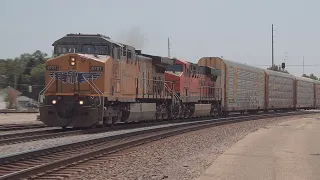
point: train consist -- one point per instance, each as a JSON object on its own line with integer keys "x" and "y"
{"x": 93, "y": 80}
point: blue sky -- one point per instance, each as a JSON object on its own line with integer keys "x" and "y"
{"x": 237, "y": 30}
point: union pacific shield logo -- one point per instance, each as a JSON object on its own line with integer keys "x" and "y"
{"x": 72, "y": 77}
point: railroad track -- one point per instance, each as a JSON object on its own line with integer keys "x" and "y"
{"x": 16, "y": 112}
{"x": 55, "y": 133}
{"x": 36, "y": 135}
{"x": 20, "y": 137}
{"x": 10, "y": 127}
{"x": 62, "y": 161}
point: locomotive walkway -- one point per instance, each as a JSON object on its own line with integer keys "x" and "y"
{"x": 290, "y": 150}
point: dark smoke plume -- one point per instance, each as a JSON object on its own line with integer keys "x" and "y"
{"x": 133, "y": 37}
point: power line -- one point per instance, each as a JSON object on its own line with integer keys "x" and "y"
{"x": 288, "y": 65}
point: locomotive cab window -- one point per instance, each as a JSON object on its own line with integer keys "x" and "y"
{"x": 87, "y": 49}
{"x": 99, "y": 50}
{"x": 175, "y": 68}
{"x": 64, "y": 49}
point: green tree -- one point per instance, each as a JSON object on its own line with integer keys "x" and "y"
{"x": 3, "y": 73}
{"x": 37, "y": 74}
{"x": 2, "y": 66}
{"x": 25, "y": 70}
{"x": 12, "y": 71}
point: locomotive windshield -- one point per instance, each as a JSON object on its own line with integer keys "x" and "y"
{"x": 63, "y": 49}
{"x": 175, "y": 68}
{"x": 84, "y": 43}
{"x": 85, "y": 49}
{"x": 99, "y": 50}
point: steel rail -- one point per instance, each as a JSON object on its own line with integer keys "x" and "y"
{"x": 36, "y": 135}
{"x": 10, "y": 127}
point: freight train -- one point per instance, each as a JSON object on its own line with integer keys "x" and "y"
{"x": 94, "y": 80}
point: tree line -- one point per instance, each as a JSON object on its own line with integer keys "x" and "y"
{"x": 24, "y": 71}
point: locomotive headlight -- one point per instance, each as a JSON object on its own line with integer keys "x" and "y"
{"x": 72, "y": 61}
{"x": 81, "y": 102}
{"x": 54, "y": 101}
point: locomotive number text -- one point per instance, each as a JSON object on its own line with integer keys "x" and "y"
{"x": 52, "y": 68}
{"x": 96, "y": 68}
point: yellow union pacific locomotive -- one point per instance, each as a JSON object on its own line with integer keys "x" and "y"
{"x": 93, "y": 79}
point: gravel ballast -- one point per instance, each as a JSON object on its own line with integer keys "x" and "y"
{"x": 19, "y": 118}
{"x": 180, "y": 157}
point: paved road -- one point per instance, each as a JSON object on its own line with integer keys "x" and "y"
{"x": 288, "y": 151}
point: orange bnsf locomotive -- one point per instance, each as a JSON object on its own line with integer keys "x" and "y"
{"x": 94, "y": 80}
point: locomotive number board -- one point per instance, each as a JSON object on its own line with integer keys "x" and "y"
{"x": 52, "y": 68}
{"x": 96, "y": 68}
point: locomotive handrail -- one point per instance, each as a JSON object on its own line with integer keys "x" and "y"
{"x": 159, "y": 87}
{"x": 176, "y": 100}
{"x": 96, "y": 89}
{"x": 171, "y": 91}
{"x": 176, "y": 97}
{"x": 47, "y": 87}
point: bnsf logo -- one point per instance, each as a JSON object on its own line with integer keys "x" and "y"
{"x": 52, "y": 68}
{"x": 96, "y": 68}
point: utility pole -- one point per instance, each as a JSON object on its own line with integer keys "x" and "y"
{"x": 169, "y": 47}
{"x": 272, "y": 51}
